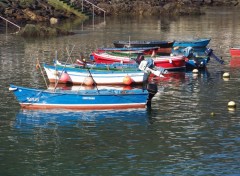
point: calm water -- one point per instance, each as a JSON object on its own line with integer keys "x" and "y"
{"x": 189, "y": 131}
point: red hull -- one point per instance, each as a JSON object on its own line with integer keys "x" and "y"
{"x": 167, "y": 62}
{"x": 170, "y": 62}
{"x": 235, "y": 61}
{"x": 235, "y": 52}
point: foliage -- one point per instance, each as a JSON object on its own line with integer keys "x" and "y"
{"x": 26, "y": 2}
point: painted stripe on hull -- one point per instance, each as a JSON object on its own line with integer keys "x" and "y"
{"x": 82, "y": 107}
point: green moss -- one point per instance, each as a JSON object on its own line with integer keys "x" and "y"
{"x": 63, "y": 6}
{"x": 26, "y": 2}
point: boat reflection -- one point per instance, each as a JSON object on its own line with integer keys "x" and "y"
{"x": 30, "y": 119}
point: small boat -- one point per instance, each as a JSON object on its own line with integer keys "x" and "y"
{"x": 98, "y": 66}
{"x": 196, "y": 58}
{"x": 166, "y": 62}
{"x": 31, "y": 98}
{"x": 70, "y": 75}
{"x": 144, "y": 50}
{"x": 198, "y": 43}
{"x": 67, "y": 75}
{"x": 129, "y": 49}
{"x": 234, "y": 52}
{"x": 165, "y": 46}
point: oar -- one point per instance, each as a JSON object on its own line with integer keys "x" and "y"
{"x": 39, "y": 66}
{"x": 69, "y": 55}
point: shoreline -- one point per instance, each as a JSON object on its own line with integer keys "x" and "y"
{"x": 46, "y": 13}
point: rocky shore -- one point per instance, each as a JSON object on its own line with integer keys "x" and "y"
{"x": 160, "y": 7}
{"x": 24, "y": 12}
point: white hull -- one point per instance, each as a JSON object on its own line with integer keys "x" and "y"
{"x": 112, "y": 78}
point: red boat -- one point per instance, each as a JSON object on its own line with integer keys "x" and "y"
{"x": 235, "y": 52}
{"x": 166, "y": 62}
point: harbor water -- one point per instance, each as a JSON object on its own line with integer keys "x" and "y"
{"x": 189, "y": 131}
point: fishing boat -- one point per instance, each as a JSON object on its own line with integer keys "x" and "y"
{"x": 97, "y": 66}
{"x": 166, "y": 62}
{"x": 142, "y": 43}
{"x": 129, "y": 49}
{"x": 234, "y": 52}
{"x": 197, "y": 43}
{"x": 143, "y": 50}
{"x": 31, "y": 98}
{"x": 70, "y": 75}
{"x": 196, "y": 58}
{"x": 164, "y": 46}
{"x": 67, "y": 75}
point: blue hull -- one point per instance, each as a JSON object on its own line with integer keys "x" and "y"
{"x": 200, "y": 63}
{"x": 83, "y": 99}
{"x": 196, "y": 58}
{"x": 200, "y": 43}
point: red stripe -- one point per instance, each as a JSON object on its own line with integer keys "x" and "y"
{"x": 32, "y": 106}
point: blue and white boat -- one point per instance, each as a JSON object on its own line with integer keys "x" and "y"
{"x": 197, "y": 43}
{"x": 67, "y": 75}
{"x": 124, "y": 76}
{"x": 196, "y": 58}
{"x": 30, "y": 98}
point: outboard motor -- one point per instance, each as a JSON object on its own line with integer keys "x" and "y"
{"x": 188, "y": 52}
{"x": 209, "y": 52}
{"x": 150, "y": 63}
{"x": 152, "y": 90}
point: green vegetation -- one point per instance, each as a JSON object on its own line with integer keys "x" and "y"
{"x": 63, "y": 6}
{"x": 26, "y": 2}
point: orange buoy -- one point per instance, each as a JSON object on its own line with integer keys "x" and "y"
{"x": 127, "y": 80}
{"x": 88, "y": 81}
{"x": 65, "y": 77}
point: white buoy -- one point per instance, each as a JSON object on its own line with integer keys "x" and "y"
{"x": 231, "y": 104}
{"x": 225, "y": 79}
{"x": 226, "y": 75}
{"x": 231, "y": 109}
{"x": 195, "y": 71}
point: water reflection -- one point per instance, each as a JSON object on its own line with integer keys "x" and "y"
{"x": 178, "y": 137}
{"x": 30, "y": 119}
